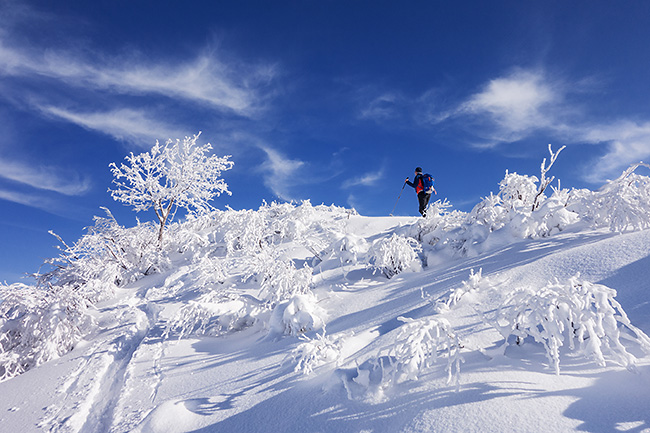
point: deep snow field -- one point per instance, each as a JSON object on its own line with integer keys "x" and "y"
{"x": 339, "y": 358}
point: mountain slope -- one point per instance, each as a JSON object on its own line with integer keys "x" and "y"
{"x": 141, "y": 372}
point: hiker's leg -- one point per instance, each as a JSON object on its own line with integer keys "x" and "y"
{"x": 422, "y": 199}
{"x": 427, "y": 197}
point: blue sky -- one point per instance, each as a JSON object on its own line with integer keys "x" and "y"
{"x": 332, "y": 101}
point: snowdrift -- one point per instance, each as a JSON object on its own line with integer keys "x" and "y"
{"x": 529, "y": 313}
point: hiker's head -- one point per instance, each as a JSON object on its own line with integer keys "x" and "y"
{"x": 418, "y": 170}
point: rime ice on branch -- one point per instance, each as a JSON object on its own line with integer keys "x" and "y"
{"x": 544, "y": 181}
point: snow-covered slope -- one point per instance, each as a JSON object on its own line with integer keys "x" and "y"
{"x": 198, "y": 348}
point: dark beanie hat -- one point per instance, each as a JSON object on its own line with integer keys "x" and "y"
{"x": 418, "y": 169}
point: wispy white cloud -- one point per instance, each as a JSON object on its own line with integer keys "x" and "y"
{"x": 121, "y": 95}
{"x": 507, "y": 108}
{"x": 24, "y": 199}
{"x": 44, "y": 178}
{"x": 516, "y": 102}
{"x": 628, "y": 142}
{"x": 204, "y": 79}
{"x": 367, "y": 179}
{"x": 382, "y": 107}
{"x": 281, "y": 172}
{"x": 130, "y": 125}
{"x": 525, "y": 102}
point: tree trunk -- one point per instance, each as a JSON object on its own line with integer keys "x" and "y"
{"x": 164, "y": 214}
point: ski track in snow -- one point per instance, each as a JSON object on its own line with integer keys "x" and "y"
{"x": 91, "y": 398}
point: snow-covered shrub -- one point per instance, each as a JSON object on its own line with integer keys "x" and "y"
{"x": 622, "y": 204}
{"x": 516, "y": 195}
{"x": 439, "y": 220}
{"x": 211, "y": 271}
{"x": 194, "y": 235}
{"x": 474, "y": 283}
{"x": 279, "y": 279}
{"x": 582, "y": 315}
{"x": 108, "y": 255}
{"x": 314, "y": 352}
{"x": 488, "y": 213}
{"x": 518, "y": 191}
{"x": 349, "y": 248}
{"x": 551, "y": 217}
{"x": 37, "y": 326}
{"x": 420, "y": 343}
{"x": 249, "y": 232}
{"x": 418, "y": 346}
{"x": 246, "y": 232}
{"x": 213, "y": 314}
{"x": 394, "y": 255}
{"x": 296, "y": 316}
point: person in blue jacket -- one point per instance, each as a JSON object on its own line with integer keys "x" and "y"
{"x": 422, "y": 190}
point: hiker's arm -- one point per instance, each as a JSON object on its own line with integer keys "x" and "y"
{"x": 415, "y": 181}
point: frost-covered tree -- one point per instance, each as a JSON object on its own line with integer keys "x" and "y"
{"x": 178, "y": 174}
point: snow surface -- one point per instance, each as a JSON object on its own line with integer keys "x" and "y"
{"x": 130, "y": 377}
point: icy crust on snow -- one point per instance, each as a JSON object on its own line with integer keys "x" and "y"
{"x": 313, "y": 318}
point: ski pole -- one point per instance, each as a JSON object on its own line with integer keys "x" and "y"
{"x": 398, "y": 197}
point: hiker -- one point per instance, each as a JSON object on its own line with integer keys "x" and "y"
{"x": 423, "y": 184}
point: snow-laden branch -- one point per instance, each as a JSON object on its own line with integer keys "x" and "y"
{"x": 544, "y": 181}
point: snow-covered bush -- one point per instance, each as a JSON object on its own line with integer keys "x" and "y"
{"x": 550, "y": 218}
{"x": 37, "y": 326}
{"x": 211, "y": 271}
{"x": 194, "y": 235}
{"x": 314, "y": 352}
{"x": 394, "y": 255}
{"x": 246, "y": 233}
{"x": 439, "y": 220}
{"x": 214, "y": 313}
{"x": 249, "y": 232}
{"x": 578, "y": 314}
{"x": 420, "y": 343}
{"x": 349, "y": 249}
{"x": 518, "y": 191}
{"x": 107, "y": 256}
{"x": 622, "y": 204}
{"x": 297, "y": 315}
{"x": 279, "y": 279}
{"x": 418, "y": 346}
{"x": 474, "y": 283}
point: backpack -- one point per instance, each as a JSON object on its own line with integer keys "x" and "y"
{"x": 427, "y": 183}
